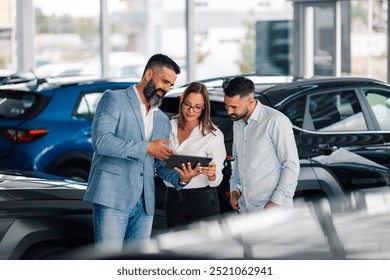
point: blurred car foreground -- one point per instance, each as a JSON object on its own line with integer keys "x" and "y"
{"x": 43, "y": 216}
{"x": 308, "y": 231}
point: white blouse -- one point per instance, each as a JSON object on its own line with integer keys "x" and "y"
{"x": 210, "y": 145}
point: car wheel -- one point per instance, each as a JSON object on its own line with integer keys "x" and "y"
{"x": 73, "y": 172}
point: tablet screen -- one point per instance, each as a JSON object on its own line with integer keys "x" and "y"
{"x": 177, "y": 160}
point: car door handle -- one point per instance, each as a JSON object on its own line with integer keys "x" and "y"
{"x": 325, "y": 149}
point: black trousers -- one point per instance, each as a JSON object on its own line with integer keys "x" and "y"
{"x": 191, "y": 205}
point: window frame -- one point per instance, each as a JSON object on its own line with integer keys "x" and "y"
{"x": 308, "y": 122}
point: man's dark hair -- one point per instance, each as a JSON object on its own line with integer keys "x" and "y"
{"x": 238, "y": 86}
{"x": 161, "y": 60}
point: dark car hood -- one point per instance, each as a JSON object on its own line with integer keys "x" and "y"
{"x": 25, "y": 185}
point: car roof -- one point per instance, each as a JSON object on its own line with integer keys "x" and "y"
{"x": 214, "y": 85}
{"x": 257, "y": 80}
{"x": 279, "y": 92}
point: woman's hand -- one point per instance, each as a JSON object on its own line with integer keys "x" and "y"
{"x": 210, "y": 171}
{"x": 186, "y": 172}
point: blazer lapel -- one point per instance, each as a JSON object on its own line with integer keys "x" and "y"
{"x": 136, "y": 107}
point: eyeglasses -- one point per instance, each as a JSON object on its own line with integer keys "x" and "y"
{"x": 187, "y": 106}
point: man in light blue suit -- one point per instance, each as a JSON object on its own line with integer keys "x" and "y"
{"x": 130, "y": 136}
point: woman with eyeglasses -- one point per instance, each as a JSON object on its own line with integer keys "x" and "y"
{"x": 193, "y": 133}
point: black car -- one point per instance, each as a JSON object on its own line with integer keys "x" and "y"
{"x": 41, "y": 215}
{"x": 341, "y": 127}
{"x": 342, "y": 131}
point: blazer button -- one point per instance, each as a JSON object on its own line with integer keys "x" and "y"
{"x": 142, "y": 174}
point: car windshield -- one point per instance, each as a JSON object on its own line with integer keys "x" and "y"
{"x": 18, "y": 104}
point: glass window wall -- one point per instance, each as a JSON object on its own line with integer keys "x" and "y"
{"x": 237, "y": 37}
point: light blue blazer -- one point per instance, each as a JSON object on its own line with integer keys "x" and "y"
{"x": 121, "y": 169}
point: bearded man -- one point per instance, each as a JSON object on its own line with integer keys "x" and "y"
{"x": 130, "y": 137}
{"x": 266, "y": 162}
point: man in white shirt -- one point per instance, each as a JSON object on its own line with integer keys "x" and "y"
{"x": 266, "y": 165}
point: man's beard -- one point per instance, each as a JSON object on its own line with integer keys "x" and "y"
{"x": 236, "y": 117}
{"x": 150, "y": 92}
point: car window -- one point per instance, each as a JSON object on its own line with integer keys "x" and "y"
{"x": 380, "y": 104}
{"x": 20, "y": 104}
{"x": 218, "y": 109}
{"x": 336, "y": 111}
{"x": 87, "y": 106}
{"x": 295, "y": 110}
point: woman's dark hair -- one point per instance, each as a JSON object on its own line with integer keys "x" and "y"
{"x": 204, "y": 118}
{"x": 161, "y": 60}
{"x": 238, "y": 86}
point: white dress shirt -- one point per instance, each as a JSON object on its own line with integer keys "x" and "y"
{"x": 196, "y": 144}
{"x": 266, "y": 164}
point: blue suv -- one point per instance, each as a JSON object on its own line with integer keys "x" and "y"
{"x": 45, "y": 125}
